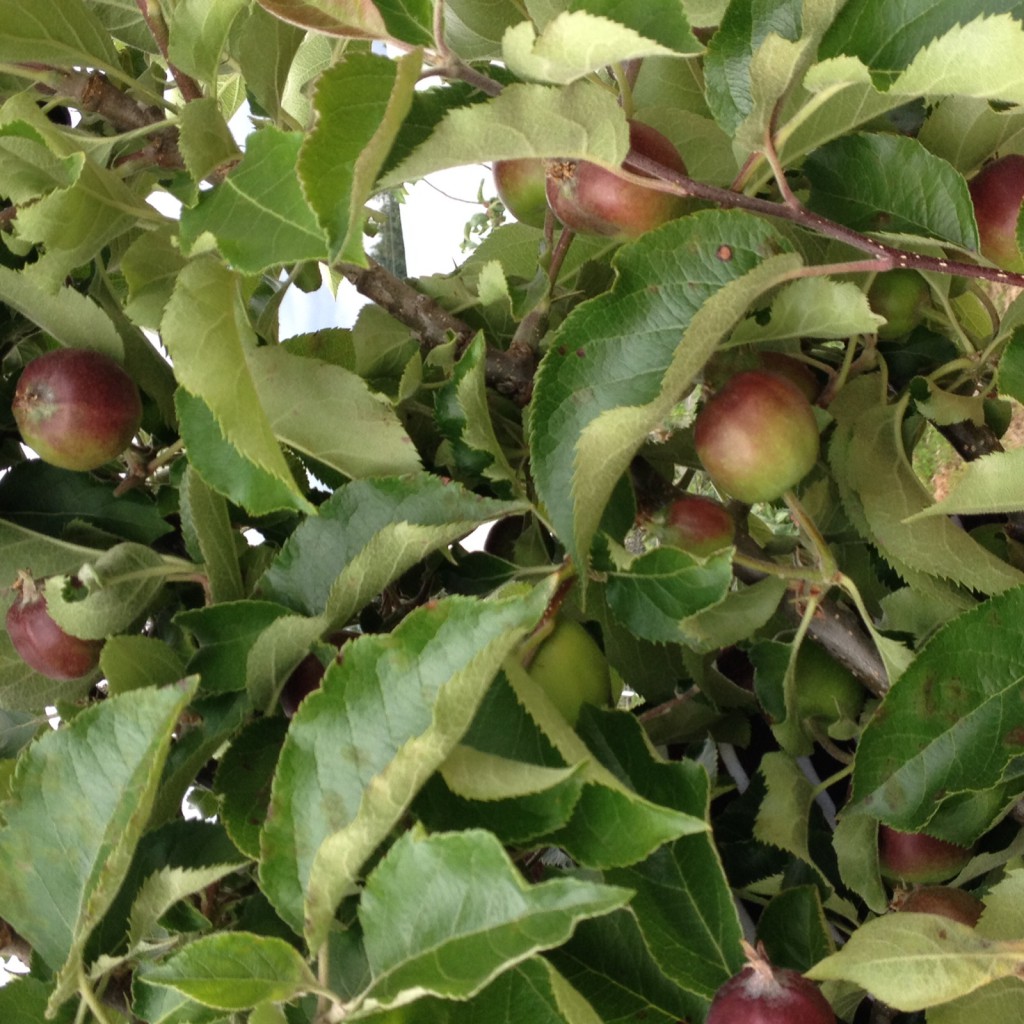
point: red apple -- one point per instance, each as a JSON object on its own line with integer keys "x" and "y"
{"x": 757, "y": 437}
{"x": 40, "y": 642}
{"x": 918, "y": 858}
{"x": 76, "y": 408}
{"x": 762, "y": 994}
{"x": 593, "y": 200}
{"x": 956, "y": 904}
{"x": 697, "y": 525}
{"x": 521, "y": 187}
{"x": 795, "y": 371}
{"x": 997, "y": 191}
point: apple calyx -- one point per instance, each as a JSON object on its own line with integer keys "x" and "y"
{"x": 763, "y": 994}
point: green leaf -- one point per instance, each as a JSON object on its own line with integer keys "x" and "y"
{"x": 197, "y": 32}
{"x": 915, "y": 961}
{"x": 258, "y": 215}
{"x": 24, "y": 1001}
{"x": 209, "y": 338}
{"x": 571, "y": 46}
{"x": 61, "y": 32}
{"x": 226, "y": 469}
{"x": 889, "y": 493}
{"x": 952, "y": 724}
{"x": 130, "y": 662}
{"x": 204, "y": 516}
{"x": 812, "y": 307}
{"x": 993, "y": 483}
{"x": 161, "y": 890}
{"x": 235, "y": 971}
{"x": 607, "y": 960}
{"x": 367, "y": 534}
{"x": 464, "y": 415}
{"x": 266, "y": 48}
{"x": 360, "y": 105}
{"x": 661, "y": 20}
{"x": 70, "y": 828}
{"x": 225, "y": 634}
{"x": 579, "y": 121}
{"x": 71, "y": 318}
{"x": 665, "y": 587}
{"x": 324, "y": 823}
{"x": 243, "y": 778}
{"x": 899, "y": 187}
{"x": 51, "y": 500}
{"x": 620, "y": 362}
{"x": 205, "y": 141}
{"x": 330, "y": 414}
{"x": 887, "y": 39}
{"x": 108, "y": 594}
{"x": 532, "y": 990}
{"x": 476, "y": 915}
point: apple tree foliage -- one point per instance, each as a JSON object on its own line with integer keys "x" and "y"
{"x": 427, "y": 839}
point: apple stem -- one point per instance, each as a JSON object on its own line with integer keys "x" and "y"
{"x": 826, "y": 560}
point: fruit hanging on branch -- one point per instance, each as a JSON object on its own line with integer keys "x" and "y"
{"x": 914, "y": 857}
{"x": 944, "y": 900}
{"x": 595, "y": 201}
{"x": 696, "y": 525}
{"x": 567, "y": 663}
{"x": 902, "y": 296}
{"x": 522, "y": 187}
{"x": 76, "y": 408}
{"x": 40, "y": 642}
{"x": 757, "y": 436}
{"x": 763, "y": 994}
{"x": 997, "y": 191}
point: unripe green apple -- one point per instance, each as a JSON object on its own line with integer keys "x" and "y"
{"x": 997, "y": 191}
{"x": 40, "y": 642}
{"x": 595, "y": 201}
{"x": 571, "y": 668}
{"x": 697, "y": 525}
{"x": 757, "y": 437}
{"x": 521, "y": 186}
{"x": 918, "y": 858}
{"x": 76, "y": 408}
{"x": 901, "y": 296}
{"x": 825, "y": 691}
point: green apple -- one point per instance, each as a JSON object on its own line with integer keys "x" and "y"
{"x": 570, "y": 667}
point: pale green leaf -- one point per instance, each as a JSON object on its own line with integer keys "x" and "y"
{"x": 61, "y": 32}
{"x": 416, "y": 689}
{"x": 108, "y": 594}
{"x": 129, "y": 662}
{"x": 915, "y": 961}
{"x": 197, "y": 32}
{"x": 235, "y": 971}
{"x": 204, "y": 138}
{"x": 204, "y": 516}
{"x": 80, "y": 802}
{"x": 994, "y": 483}
{"x": 581, "y": 121}
{"x": 476, "y": 915}
{"x": 812, "y": 307}
{"x": 162, "y": 889}
{"x": 571, "y": 46}
{"x": 208, "y": 335}
{"x": 330, "y": 414}
{"x": 360, "y": 104}
{"x": 258, "y": 215}
{"x": 71, "y": 318}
